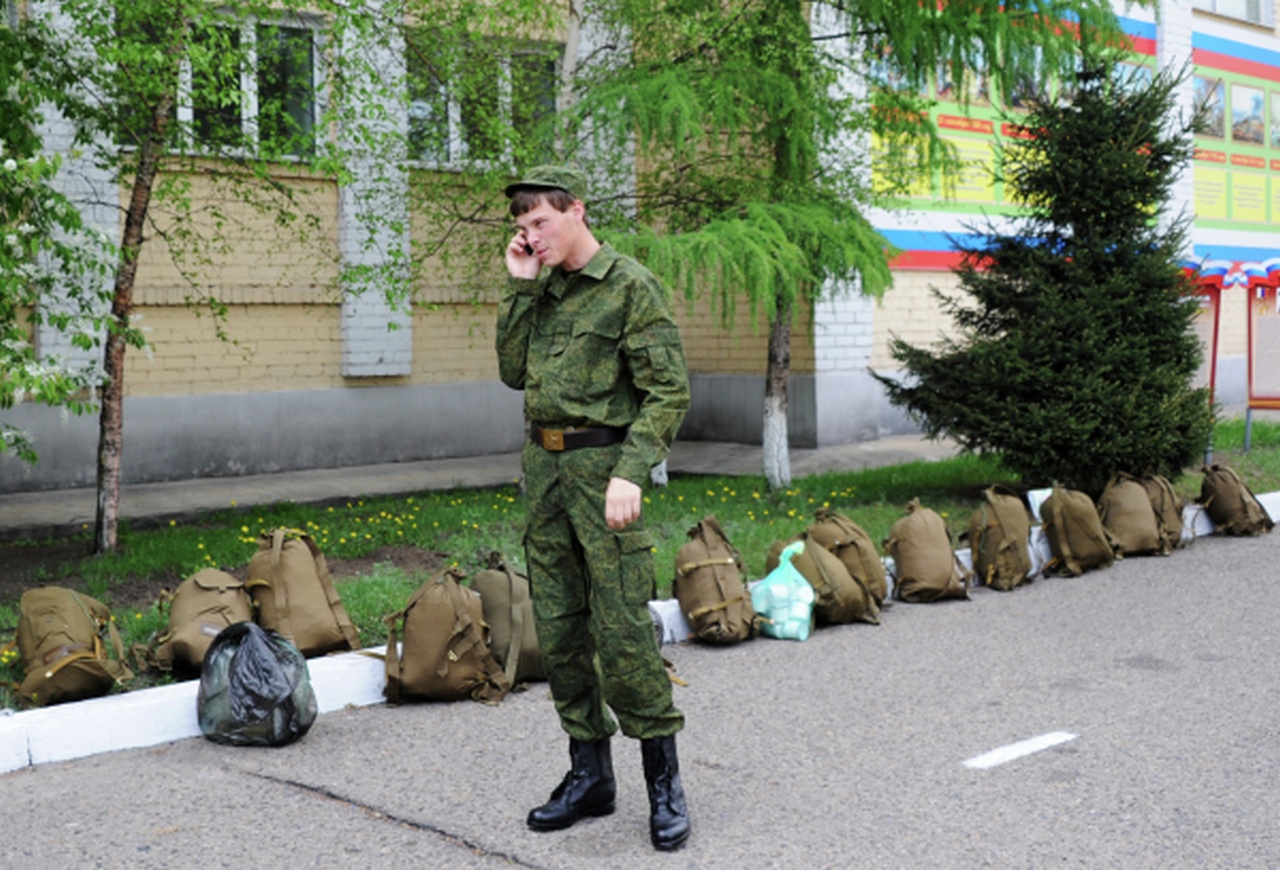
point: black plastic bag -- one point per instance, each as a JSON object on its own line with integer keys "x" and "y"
{"x": 255, "y": 689}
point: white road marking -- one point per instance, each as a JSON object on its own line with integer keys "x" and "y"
{"x": 1017, "y": 750}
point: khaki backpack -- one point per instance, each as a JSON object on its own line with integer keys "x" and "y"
{"x": 853, "y": 547}
{"x": 508, "y": 611}
{"x": 1077, "y": 540}
{"x": 999, "y": 531}
{"x": 838, "y": 597}
{"x": 926, "y": 567}
{"x": 290, "y": 585}
{"x": 1231, "y": 504}
{"x": 445, "y": 654}
{"x": 709, "y": 586}
{"x": 203, "y": 605}
{"x": 1167, "y": 505}
{"x": 1127, "y": 514}
{"x": 60, "y": 639}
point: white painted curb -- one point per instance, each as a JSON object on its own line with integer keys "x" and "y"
{"x": 149, "y": 717}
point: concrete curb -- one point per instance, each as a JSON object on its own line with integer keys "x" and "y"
{"x": 149, "y": 717}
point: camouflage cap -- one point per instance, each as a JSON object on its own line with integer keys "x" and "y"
{"x": 549, "y": 176}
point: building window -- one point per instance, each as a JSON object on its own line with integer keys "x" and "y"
{"x": 252, "y": 87}
{"x": 1255, "y": 11}
{"x": 480, "y": 103}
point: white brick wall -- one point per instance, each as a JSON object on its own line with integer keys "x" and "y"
{"x": 1173, "y": 54}
{"x": 377, "y": 199}
{"x": 81, "y": 181}
{"x": 843, "y": 328}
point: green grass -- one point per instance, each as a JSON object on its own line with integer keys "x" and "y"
{"x": 463, "y": 526}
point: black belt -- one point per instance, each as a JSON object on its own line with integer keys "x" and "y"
{"x": 574, "y": 437}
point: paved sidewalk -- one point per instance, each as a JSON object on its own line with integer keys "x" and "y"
{"x": 63, "y": 512}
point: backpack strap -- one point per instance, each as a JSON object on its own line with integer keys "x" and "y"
{"x": 512, "y": 658}
{"x": 394, "y": 672}
{"x": 331, "y": 594}
{"x": 705, "y": 563}
{"x": 1059, "y": 495}
{"x": 284, "y": 624}
{"x": 496, "y": 684}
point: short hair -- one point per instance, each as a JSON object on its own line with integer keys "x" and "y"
{"x": 527, "y": 198}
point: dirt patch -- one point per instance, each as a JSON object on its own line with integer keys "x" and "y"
{"x": 24, "y": 566}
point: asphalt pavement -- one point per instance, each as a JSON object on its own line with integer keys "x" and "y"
{"x": 1156, "y": 678}
{"x": 1122, "y": 719}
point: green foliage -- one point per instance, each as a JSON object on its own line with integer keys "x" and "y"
{"x": 736, "y": 132}
{"x": 1074, "y": 354}
{"x": 44, "y": 244}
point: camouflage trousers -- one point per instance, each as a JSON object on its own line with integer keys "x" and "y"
{"x": 591, "y": 589}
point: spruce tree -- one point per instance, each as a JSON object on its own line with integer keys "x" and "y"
{"x": 1073, "y": 355}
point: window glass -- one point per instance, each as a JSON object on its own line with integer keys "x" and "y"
{"x": 480, "y": 102}
{"x": 429, "y": 137}
{"x": 471, "y": 105}
{"x": 286, "y": 89}
{"x": 533, "y": 101}
{"x": 217, "y": 98}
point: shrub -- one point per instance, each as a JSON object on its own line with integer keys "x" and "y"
{"x": 1074, "y": 356}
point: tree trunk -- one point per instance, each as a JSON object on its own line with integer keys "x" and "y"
{"x": 106, "y": 530}
{"x": 777, "y": 459}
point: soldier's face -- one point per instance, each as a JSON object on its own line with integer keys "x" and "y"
{"x": 554, "y": 235}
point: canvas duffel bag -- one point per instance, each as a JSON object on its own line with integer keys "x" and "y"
{"x": 508, "y": 611}
{"x": 61, "y": 641}
{"x": 202, "y": 606}
{"x": 438, "y": 646}
{"x": 1232, "y": 506}
{"x": 926, "y": 567}
{"x": 290, "y": 585}
{"x": 838, "y": 597}
{"x": 1167, "y": 505}
{"x": 853, "y": 547}
{"x": 999, "y": 535}
{"x": 1127, "y": 514}
{"x": 709, "y": 586}
{"x": 1077, "y": 540}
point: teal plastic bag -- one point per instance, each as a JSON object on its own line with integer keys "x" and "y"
{"x": 785, "y": 599}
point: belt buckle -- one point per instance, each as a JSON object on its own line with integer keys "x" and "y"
{"x": 553, "y": 440}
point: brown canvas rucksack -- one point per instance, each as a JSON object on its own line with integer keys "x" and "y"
{"x": 853, "y": 547}
{"x": 1167, "y": 505}
{"x": 709, "y": 586}
{"x": 1232, "y": 506}
{"x": 838, "y": 597}
{"x": 290, "y": 584}
{"x": 202, "y": 605}
{"x": 445, "y": 654}
{"x": 926, "y": 567}
{"x": 999, "y": 532}
{"x": 508, "y": 611}
{"x": 1077, "y": 540}
{"x": 60, "y": 639}
{"x": 1127, "y": 514}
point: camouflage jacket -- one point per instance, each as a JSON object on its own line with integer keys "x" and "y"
{"x": 597, "y": 347}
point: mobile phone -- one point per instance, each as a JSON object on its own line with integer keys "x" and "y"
{"x": 528, "y": 249}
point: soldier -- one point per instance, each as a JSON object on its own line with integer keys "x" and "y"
{"x": 593, "y": 345}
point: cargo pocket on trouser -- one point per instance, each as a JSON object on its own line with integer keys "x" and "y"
{"x": 636, "y": 682}
{"x": 635, "y": 556}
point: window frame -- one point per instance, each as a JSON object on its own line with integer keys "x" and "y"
{"x": 250, "y": 98}
{"x": 455, "y": 147}
{"x": 1259, "y": 12}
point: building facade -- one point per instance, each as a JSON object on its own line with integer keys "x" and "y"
{"x": 316, "y": 379}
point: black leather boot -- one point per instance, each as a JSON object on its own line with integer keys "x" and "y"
{"x": 668, "y": 813}
{"x": 588, "y": 788}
